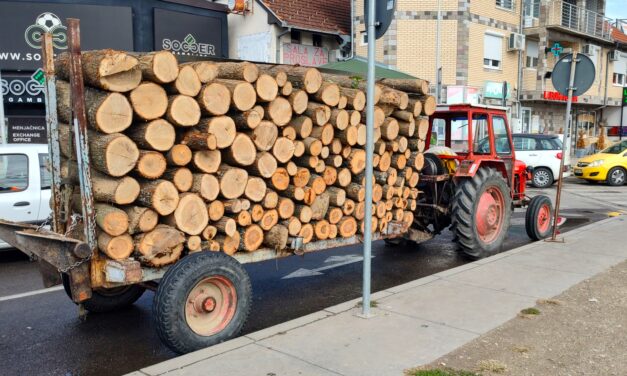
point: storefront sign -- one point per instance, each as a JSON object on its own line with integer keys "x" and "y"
{"x": 23, "y": 88}
{"x": 462, "y": 94}
{"x": 555, "y": 96}
{"x": 494, "y": 90}
{"x": 188, "y": 34}
{"x": 310, "y": 56}
{"x": 624, "y": 96}
{"x": 27, "y": 130}
{"x": 22, "y": 26}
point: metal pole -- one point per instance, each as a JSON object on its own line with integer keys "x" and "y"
{"x": 437, "y": 54}
{"x": 558, "y": 194}
{"x": 3, "y": 128}
{"x": 622, "y": 109}
{"x": 365, "y": 308}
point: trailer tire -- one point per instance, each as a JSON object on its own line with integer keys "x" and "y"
{"x": 107, "y": 300}
{"x": 539, "y": 218}
{"x": 481, "y": 213}
{"x": 202, "y": 300}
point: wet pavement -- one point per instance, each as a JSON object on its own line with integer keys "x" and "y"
{"x": 41, "y": 334}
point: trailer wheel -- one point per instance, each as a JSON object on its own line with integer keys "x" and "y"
{"x": 202, "y": 300}
{"x": 481, "y": 212}
{"x": 107, "y": 300}
{"x": 539, "y": 218}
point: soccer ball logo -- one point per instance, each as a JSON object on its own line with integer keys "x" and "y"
{"x": 47, "y": 23}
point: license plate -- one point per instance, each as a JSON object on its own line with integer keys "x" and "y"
{"x": 578, "y": 172}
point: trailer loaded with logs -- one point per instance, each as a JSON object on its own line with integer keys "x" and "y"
{"x": 170, "y": 175}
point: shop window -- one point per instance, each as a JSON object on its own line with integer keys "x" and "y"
{"x": 506, "y": 4}
{"x": 492, "y": 51}
{"x": 317, "y": 40}
{"x": 531, "y": 52}
{"x": 295, "y": 36}
{"x": 618, "y": 79}
{"x": 13, "y": 172}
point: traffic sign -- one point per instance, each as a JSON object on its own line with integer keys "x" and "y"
{"x": 584, "y": 74}
{"x": 384, "y": 10}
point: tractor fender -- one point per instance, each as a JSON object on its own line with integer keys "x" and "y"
{"x": 468, "y": 168}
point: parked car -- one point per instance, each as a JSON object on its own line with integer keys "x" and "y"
{"x": 609, "y": 165}
{"x": 543, "y": 153}
{"x": 24, "y": 184}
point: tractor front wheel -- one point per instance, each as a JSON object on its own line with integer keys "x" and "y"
{"x": 481, "y": 212}
{"x": 539, "y": 218}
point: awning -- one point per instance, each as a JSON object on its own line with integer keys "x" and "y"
{"x": 358, "y": 66}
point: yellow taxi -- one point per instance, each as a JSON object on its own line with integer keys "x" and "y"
{"x": 609, "y": 165}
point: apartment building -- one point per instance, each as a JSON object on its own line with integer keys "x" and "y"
{"x": 484, "y": 43}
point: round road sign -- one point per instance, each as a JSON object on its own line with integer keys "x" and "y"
{"x": 584, "y": 74}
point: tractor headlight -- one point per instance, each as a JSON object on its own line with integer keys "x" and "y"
{"x": 596, "y": 163}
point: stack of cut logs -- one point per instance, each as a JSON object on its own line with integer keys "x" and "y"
{"x": 235, "y": 156}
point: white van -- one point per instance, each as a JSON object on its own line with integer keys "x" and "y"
{"x": 24, "y": 184}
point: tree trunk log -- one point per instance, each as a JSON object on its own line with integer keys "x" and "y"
{"x": 159, "y": 66}
{"x": 110, "y": 219}
{"x": 232, "y": 181}
{"x": 160, "y": 195}
{"x": 140, "y": 219}
{"x": 149, "y": 101}
{"x": 105, "y": 69}
{"x": 214, "y": 99}
{"x": 156, "y": 135}
{"x": 179, "y": 155}
{"x": 243, "y": 96}
{"x": 276, "y": 237}
{"x": 116, "y": 247}
{"x": 159, "y": 247}
{"x": 190, "y": 216}
{"x": 183, "y": 111}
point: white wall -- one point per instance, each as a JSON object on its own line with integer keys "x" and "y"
{"x": 612, "y": 115}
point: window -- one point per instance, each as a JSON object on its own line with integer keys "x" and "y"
{"x": 492, "y": 51}
{"x": 501, "y": 138}
{"x": 438, "y": 132}
{"x": 295, "y": 36}
{"x": 364, "y": 39}
{"x": 44, "y": 172}
{"x": 459, "y": 133}
{"x": 532, "y": 9}
{"x": 317, "y": 40}
{"x": 507, "y": 4}
{"x": 531, "y": 52}
{"x": 481, "y": 137}
{"x": 620, "y": 69}
{"x": 524, "y": 143}
{"x": 13, "y": 172}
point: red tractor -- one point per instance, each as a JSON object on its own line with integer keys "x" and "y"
{"x": 472, "y": 182}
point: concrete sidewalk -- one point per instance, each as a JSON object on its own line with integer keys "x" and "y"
{"x": 417, "y": 322}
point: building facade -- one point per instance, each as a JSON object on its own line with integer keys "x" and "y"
{"x": 486, "y": 46}
{"x": 290, "y": 32}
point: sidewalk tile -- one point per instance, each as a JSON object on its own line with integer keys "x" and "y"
{"x": 342, "y": 307}
{"x": 252, "y": 360}
{"x": 412, "y": 284}
{"x": 519, "y": 279}
{"x": 196, "y": 356}
{"x": 456, "y": 270}
{"x": 283, "y": 327}
{"x": 565, "y": 259}
{"x": 458, "y": 305}
{"x": 382, "y": 345}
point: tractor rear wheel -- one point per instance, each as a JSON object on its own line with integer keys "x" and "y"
{"x": 539, "y": 218}
{"x": 481, "y": 213}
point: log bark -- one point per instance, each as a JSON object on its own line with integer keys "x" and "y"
{"x": 105, "y": 69}
{"x": 243, "y": 96}
{"x": 417, "y": 85}
{"x": 206, "y": 185}
{"x": 337, "y": 196}
{"x": 159, "y": 247}
{"x": 140, "y": 219}
{"x": 161, "y": 195}
{"x": 238, "y": 71}
{"x": 114, "y": 154}
{"x": 110, "y": 219}
{"x": 116, "y": 247}
{"x": 276, "y": 237}
{"x": 106, "y": 112}
{"x": 156, "y": 135}
{"x": 158, "y": 66}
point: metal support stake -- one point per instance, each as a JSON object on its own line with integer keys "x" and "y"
{"x": 52, "y": 123}
{"x": 3, "y": 127}
{"x": 365, "y": 308}
{"x": 558, "y": 195}
{"x": 79, "y": 122}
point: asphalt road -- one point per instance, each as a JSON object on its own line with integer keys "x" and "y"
{"x": 41, "y": 334}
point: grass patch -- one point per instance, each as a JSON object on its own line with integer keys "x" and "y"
{"x": 530, "y": 311}
{"x": 492, "y": 366}
{"x": 549, "y": 302}
{"x": 441, "y": 372}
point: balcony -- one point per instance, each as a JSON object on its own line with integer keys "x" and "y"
{"x": 570, "y": 18}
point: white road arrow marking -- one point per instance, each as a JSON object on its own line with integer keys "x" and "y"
{"x": 336, "y": 260}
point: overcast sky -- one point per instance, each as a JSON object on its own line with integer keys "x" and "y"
{"x": 616, "y": 9}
